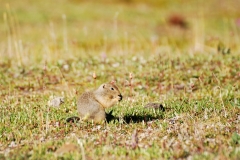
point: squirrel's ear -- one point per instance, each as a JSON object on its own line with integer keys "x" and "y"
{"x": 113, "y": 82}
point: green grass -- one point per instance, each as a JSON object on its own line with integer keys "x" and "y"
{"x": 52, "y": 48}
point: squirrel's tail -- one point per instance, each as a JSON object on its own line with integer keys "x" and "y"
{"x": 73, "y": 119}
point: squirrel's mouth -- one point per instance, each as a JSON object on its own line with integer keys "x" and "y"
{"x": 120, "y": 97}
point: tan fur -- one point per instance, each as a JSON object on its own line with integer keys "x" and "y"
{"x": 91, "y": 105}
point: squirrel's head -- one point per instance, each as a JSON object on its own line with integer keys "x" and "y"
{"x": 108, "y": 94}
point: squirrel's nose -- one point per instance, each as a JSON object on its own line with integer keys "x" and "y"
{"x": 120, "y": 96}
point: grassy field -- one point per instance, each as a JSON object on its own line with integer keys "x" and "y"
{"x": 183, "y": 54}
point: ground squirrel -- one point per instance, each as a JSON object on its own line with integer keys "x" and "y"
{"x": 91, "y": 105}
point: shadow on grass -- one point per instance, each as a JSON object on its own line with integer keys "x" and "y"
{"x": 127, "y": 118}
{"x": 132, "y": 118}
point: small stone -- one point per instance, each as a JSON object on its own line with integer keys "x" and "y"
{"x": 66, "y": 67}
{"x": 155, "y": 106}
{"x": 56, "y": 102}
{"x": 12, "y": 144}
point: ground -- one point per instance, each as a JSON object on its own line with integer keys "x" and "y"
{"x": 181, "y": 54}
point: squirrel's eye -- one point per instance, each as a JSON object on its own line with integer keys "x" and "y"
{"x": 112, "y": 88}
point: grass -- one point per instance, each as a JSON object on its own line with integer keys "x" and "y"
{"x": 181, "y": 54}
